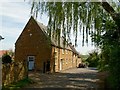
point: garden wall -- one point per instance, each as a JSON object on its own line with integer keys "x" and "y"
{"x": 13, "y": 72}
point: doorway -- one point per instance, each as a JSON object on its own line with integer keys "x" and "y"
{"x": 31, "y": 62}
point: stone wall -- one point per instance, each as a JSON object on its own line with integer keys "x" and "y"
{"x": 13, "y": 72}
{"x": 33, "y": 42}
{"x": 64, "y": 59}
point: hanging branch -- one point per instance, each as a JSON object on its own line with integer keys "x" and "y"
{"x": 111, "y": 11}
{"x": 67, "y": 15}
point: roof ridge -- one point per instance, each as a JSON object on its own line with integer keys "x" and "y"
{"x": 53, "y": 41}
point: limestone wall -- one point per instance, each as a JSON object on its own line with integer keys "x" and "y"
{"x": 13, "y": 72}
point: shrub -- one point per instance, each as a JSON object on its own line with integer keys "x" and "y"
{"x": 6, "y": 59}
{"x": 93, "y": 59}
{"x": 18, "y": 85}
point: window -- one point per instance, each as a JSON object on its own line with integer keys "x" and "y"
{"x": 66, "y": 61}
{"x": 74, "y": 55}
{"x": 63, "y": 51}
{"x": 56, "y": 61}
{"x": 66, "y": 52}
{"x": 56, "y": 50}
{"x": 63, "y": 61}
{"x": 31, "y": 58}
{"x": 55, "y": 54}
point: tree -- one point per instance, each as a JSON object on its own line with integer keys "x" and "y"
{"x": 6, "y": 59}
{"x": 110, "y": 52}
{"x": 93, "y": 59}
{"x": 101, "y": 20}
{"x": 75, "y": 16}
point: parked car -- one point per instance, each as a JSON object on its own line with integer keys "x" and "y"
{"x": 82, "y": 65}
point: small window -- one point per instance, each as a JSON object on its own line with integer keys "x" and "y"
{"x": 55, "y": 53}
{"x": 74, "y": 55}
{"x": 66, "y": 52}
{"x": 66, "y": 61}
{"x": 56, "y": 50}
{"x": 56, "y": 60}
{"x": 63, "y": 51}
{"x": 31, "y": 58}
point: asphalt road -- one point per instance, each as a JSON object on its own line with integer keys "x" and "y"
{"x": 78, "y": 78}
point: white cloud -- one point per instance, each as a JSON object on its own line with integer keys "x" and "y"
{"x": 82, "y": 49}
{"x": 85, "y": 49}
{"x": 10, "y": 35}
{"x": 6, "y": 45}
{"x": 11, "y": 32}
{"x": 13, "y": 0}
{"x": 18, "y": 11}
{"x": 15, "y": 13}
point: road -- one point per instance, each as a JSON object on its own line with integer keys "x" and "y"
{"x": 78, "y": 78}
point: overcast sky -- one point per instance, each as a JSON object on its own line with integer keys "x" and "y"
{"x": 13, "y": 18}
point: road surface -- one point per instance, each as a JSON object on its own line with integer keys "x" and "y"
{"x": 78, "y": 78}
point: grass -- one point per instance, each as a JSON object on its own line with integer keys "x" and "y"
{"x": 18, "y": 85}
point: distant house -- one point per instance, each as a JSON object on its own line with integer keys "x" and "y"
{"x": 2, "y": 52}
{"x": 40, "y": 52}
{"x": 9, "y": 52}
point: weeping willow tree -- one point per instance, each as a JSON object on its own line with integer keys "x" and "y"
{"x": 101, "y": 20}
{"x": 87, "y": 18}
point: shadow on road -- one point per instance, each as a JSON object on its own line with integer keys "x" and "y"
{"x": 92, "y": 68}
{"x": 77, "y": 78}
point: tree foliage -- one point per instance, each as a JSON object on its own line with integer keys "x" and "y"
{"x": 85, "y": 17}
{"x": 93, "y": 59}
{"x": 101, "y": 20}
{"x": 110, "y": 52}
{"x": 6, "y": 59}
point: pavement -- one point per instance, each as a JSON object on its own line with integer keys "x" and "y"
{"x": 75, "y": 78}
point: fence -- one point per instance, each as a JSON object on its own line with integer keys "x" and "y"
{"x": 13, "y": 72}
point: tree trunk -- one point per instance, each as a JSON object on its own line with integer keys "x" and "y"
{"x": 111, "y": 11}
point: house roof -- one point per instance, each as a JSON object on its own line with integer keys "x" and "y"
{"x": 2, "y": 52}
{"x": 54, "y": 41}
{"x": 73, "y": 49}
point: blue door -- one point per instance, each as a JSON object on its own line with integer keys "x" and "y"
{"x": 31, "y": 61}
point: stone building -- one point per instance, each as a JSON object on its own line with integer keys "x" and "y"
{"x": 40, "y": 52}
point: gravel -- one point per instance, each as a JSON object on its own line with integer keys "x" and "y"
{"x": 78, "y": 78}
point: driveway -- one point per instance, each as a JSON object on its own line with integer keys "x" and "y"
{"x": 79, "y": 78}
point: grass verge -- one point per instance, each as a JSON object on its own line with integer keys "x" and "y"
{"x": 18, "y": 84}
